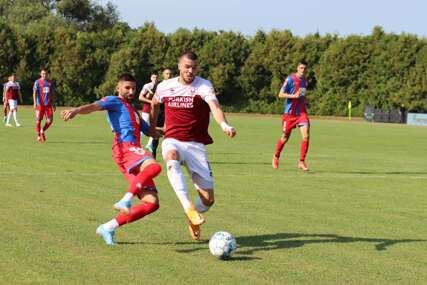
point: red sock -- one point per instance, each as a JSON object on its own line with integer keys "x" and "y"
{"x": 279, "y": 146}
{"x": 46, "y": 126}
{"x": 38, "y": 126}
{"x": 144, "y": 177}
{"x": 304, "y": 149}
{"x": 136, "y": 213}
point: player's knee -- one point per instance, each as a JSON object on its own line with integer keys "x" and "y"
{"x": 172, "y": 155}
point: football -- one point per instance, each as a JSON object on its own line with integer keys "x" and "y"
{"x": 222, "y": 245}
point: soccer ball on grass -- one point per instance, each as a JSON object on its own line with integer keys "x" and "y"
{"x": 222, "y": 245}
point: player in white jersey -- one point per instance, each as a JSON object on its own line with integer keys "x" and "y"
{"x": 188, "y": 101}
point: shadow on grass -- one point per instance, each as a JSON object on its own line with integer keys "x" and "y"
{"x": 373, "y": 172}
{"x": 78, "y": 142}
{"x": 248, "y": 245}
{"x": 240, "y": 162}
{"x": 251, "y": 244}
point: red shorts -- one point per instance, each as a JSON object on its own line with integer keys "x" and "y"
{"x": 42, "y": 111}
{"x": 128, "y": 158}
{"x": 290, "y": 122}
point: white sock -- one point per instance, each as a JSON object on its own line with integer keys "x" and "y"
{"x": 177, "y": 180}
{"x": 150, "y": 141}
{"x": 127, "y": 197}
{"x": 9, "y": 115}
{"x": 111, "y": 225}
{"x": 15, "y": 117}
{"x": 200, "y": 207}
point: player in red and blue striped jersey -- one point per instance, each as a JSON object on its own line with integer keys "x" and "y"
{"x": 295, "y": 115}
{"x": 135, "y": 163}
{"x": 43, "y": 96}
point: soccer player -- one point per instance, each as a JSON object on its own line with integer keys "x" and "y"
{"x": 188, "y": 99}
{"x": 136, "y": 164}
{"x": 293, "y": 91}
{"x": 43, "y": 98}
{"x": 167, "y": 74}
{"x": 12, "y": 92}
{"x": 5, "y": 103}
{"x": 145, "y": 96}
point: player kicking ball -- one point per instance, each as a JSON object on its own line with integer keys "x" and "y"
{"x": 136, "y": 164}
{"x": 295, "y": 115}
{"x": 188, "y": 101}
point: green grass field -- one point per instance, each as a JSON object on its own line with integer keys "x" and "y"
{"x": 358, "y": 217}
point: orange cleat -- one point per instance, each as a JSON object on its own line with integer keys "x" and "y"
{"x": 302, "y": 165}
{"x": 194, "y": 231}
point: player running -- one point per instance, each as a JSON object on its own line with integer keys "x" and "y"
{"x": 295, "y": 115}
{"x": 11, "y": 94}
{"x": 43, "y": 97}
{"x": 136, "y": 164}
{"x": 188, "y": 99}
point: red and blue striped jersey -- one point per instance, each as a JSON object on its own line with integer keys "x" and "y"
{"x": 295, "y": 106}
{"x": 44, "y": 92}
{"x": 124, "y": 120}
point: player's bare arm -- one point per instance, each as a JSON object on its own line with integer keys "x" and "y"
{"x": 85, "y": 109}
{"x": 34, "y": 100}
{"x": 219, "y": 117}
{"x": 145, "y": 96}
{"x": 283, "y": 95}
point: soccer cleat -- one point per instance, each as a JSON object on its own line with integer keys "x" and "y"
{"x": 194, "y": 217}
{"x": 302, "y": 165}
{"x": 123, "y": 207}
{"x": 194, "y": 231}
{"x": 8, "y": 125}
{"x": 275, "y": 162}
{"x": 18, "y": 124}
{"x": 107, "y": 236}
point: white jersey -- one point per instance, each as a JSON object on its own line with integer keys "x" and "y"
{"x": 186, "y": 109}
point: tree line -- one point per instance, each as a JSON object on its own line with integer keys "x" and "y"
{"x": 85, "y": 46}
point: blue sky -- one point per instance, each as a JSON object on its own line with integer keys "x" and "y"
{"x": 301, "y": 17}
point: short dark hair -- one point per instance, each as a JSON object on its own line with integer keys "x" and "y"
{"x": 303, "y": 62}
{"x": 127, "y": 77}
{"x": 189, "y": 54}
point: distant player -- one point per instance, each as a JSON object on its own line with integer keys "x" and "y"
{"x": 5, "y": 103}
{"x": 188, "y": 101}
{"x": 167, "y": 74}
{"x": 145, "y": 96}
{"x": 137, "y": 165}
{"x": 43, "y": 100}
{"x": 12, "y": 92}
{"x": 293, "y": 91}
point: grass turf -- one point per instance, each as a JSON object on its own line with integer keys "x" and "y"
{"x": 358, "y": 217}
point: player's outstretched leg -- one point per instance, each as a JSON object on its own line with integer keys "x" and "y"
{"x": 149, "y": 205}
{"x": 149, "y": 170}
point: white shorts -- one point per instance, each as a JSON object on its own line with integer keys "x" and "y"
{"x": 194, "y": 156}
{"x": 12, "y": 103}
{"x": 146, "y": 117}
